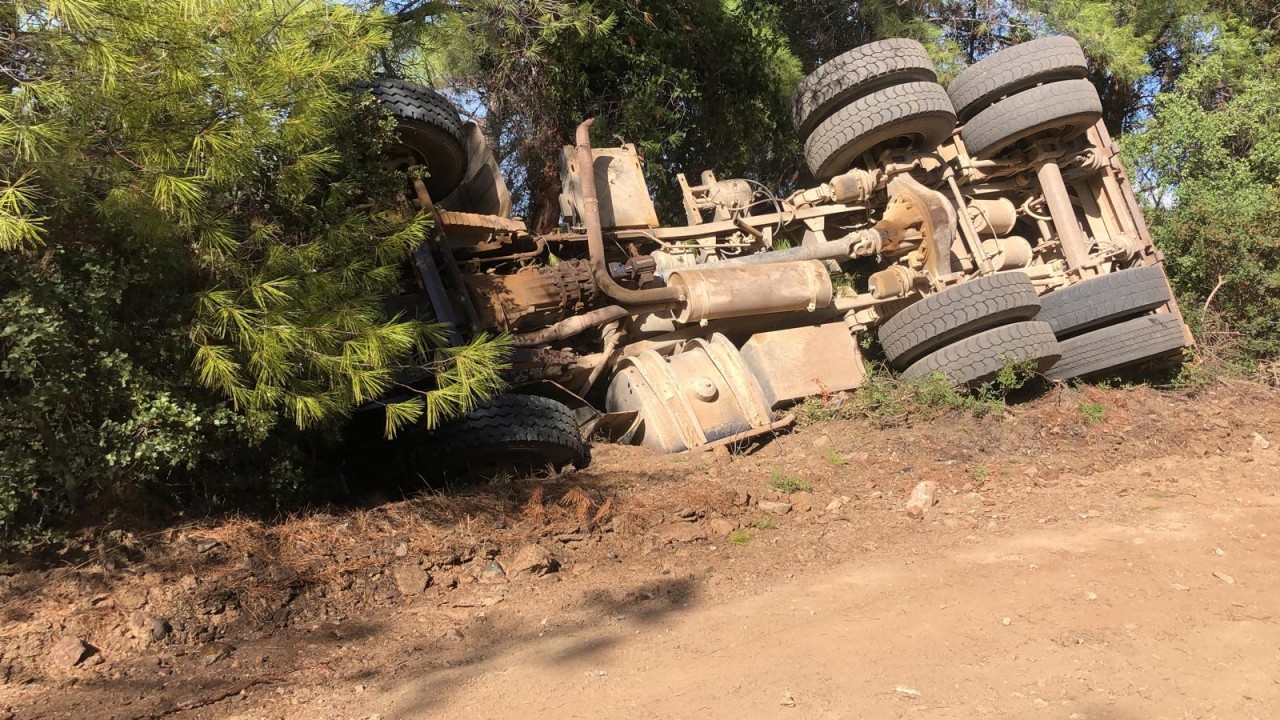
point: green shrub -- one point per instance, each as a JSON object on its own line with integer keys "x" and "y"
{"x": 788, "y": 484}
{"x": 1210, "y": 158}
{"x": 183, "y": 283}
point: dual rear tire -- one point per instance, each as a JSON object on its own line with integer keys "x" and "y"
{"x": 884, "y": 95}
{"x": 879, "y": 96}
{"x": 971, "y": 331}
{"x": 1105, "y": 323}
{"x": 1032, "y": 91}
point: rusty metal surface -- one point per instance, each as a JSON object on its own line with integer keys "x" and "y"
{"x": 714, "y": 293}
{"x": 799, "y": 362}
{"x": 1075, "y": 247}
{"x": 701, "y": 394}
{"x": 534, "y": 296}
{"x": 426, "y": 204}
{"x": 782, "y": 423}
{"x": 620, "y": 186}
{"x": 914, "y": 206}
{"x": 994, "y": 217}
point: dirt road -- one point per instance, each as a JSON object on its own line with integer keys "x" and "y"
{"x": 1123, "y": 568}
{"x": 1168, "y": 611}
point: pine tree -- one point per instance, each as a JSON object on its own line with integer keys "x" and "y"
{"x": 196, "y": 238}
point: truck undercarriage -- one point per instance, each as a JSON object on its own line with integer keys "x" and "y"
{"x": 967, "y": 227}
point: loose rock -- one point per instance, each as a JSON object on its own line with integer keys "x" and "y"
{"x": 491, "y": 573}
{"x": 1260, "y": 442}
{"x": 149, "y": 628}
{"x": 69, "y": 652}
{"x": 134, "y": 598}
{"x": 774, "y": 507}
{"x": 411, "y": 579}
{"x": 802, "y": 501}
{"x": 1225, "y": 578}
{"x": 531, "y": 559}
{"x": 719, "y": 527}
{"x": 216, "y": 653}
{"x": 923, "y": 497}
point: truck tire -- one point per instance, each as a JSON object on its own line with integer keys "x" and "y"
{"x": 917, "y": 113}
{"x": 859, "y": 72}
{"x": 978, "y": 358}
{"x": 428, "y": 131}
{"x": 515, "y": 434}
{"x": 1116, "y": 346}
{"x": 1104, "y": 299}
{"x": 1014, "y": 69}
{"x": 967, "y": 308}
{"x": 1063, "y": 109}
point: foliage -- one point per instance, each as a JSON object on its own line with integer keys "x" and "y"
{"x": 979, "y": 475}
{"x": 891, "y": 401}
{"x": 1093, "y": 411}
{"x": 182, "y": 267}
{"x": 694, "y": 85}
{"x": 788, "y": 484}
{"x": 1209, "y": 161}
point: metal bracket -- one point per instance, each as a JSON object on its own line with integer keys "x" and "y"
{"x": 912, "y": 205}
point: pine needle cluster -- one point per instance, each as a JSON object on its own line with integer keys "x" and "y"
{"x": 199, "y": 247}
{"x": 227, "y": 128}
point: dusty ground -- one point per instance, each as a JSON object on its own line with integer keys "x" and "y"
{"x": 1075, "y": 567}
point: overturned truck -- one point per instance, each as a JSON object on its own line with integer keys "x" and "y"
{"x": 984, "y": 222}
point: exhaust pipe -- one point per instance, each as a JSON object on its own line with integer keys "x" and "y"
{"x": 595, "y": 235}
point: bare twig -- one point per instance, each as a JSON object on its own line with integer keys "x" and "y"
{"x": 1214, "y": 291}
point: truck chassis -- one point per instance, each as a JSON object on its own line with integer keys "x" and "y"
{"x": 968, "y": 226}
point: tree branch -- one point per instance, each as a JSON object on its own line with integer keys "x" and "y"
{"x": 1214, "y": 291}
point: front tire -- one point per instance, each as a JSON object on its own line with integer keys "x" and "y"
{"x": 514, "y": 435}
{"x": 428, "y": 133}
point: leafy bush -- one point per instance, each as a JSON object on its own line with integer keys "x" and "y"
{"x": 1209, "y": 159}
{"x": 180, "y": 265}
